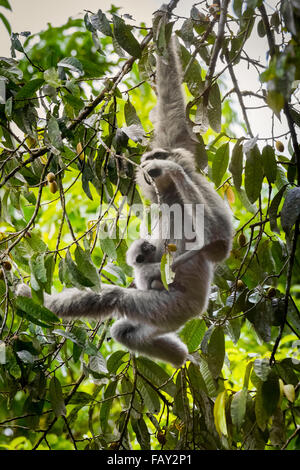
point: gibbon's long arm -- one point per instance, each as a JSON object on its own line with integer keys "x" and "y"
{"x": 166, "y": 310}
{"x": 171, "y": 127}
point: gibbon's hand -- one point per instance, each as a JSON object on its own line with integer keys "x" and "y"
{"x": 162, "y": 168}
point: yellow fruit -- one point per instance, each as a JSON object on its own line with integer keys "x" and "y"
{"x": 172, "y": 247}
{"x": 51, "y": 177}
{"x": 242, "y": 240}
{"x": 53, "y": 187}
{"x": 114, "y": 445}
{"x": 240, "y": 285}
{"x": 279, "y": 146}
{"x": 79, "y": 151}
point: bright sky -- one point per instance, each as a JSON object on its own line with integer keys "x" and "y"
{"x": 33, "y": 15}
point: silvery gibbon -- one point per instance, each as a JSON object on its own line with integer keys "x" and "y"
{"x": 149, "y": 316}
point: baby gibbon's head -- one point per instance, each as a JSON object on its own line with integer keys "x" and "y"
{"x": 140, "y": 251}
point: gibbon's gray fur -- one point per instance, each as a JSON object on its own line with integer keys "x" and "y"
{"x": 147, "y": 271}
{"x": 149, "y": 317}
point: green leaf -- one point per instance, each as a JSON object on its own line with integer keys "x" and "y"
{"x": 115, "y": 361}
{"x": 287, "y": 11}
{"x": 236, "y": 164}
{"x": 141, "y": 431}
{"x": 260, "y": 412}
{"x": 35, "y": 310}
{"x": 196, "y": 380}
{"x": 261, "y": 368}
{"x": 125, "y": 38}
{"x": 274, "y": 209}
{"x": 216, "y": 351}
{"x": 207, "y": 377}
{"x": 107, "y": 244}
{"x": 29, "y": 90}
{"x": 253, "y": 174}
{"x": 97, "y": 364}
{"x": 54, "y": 133}
{"x": 220, "y": 163}
{"x": 276, "y": 101}
{"x": 71, "y": 63}
{"x": 75, "y": 273}
{"x": 290, "y": 210}
{"x": 100, "y": 22}
{"x": 237, "y": 7}
{"x": 6, "y": 23}
{"x": 26, "y": 357}
{"x": 131, "y": 116}
{"x": 156, "y": 374}
{"x": 247, "y": 374}
{"x": 5, "y": 4}
{"x": 80, "y": 398}
{"x": 51, "y": 77}
{"x": 110, "y": 391}
{"x": 270, "y": 391}
{"x": 85, "y": 264}
{"x": 56, "y": 398}
{"x": 269, "y": 163}
{"x": 238, "y": 408}
{"x": 214, "y": 110}
{"x": 150, "y": 397}
{"x": 167, "y": 275}
{"x": 192, "y": 333}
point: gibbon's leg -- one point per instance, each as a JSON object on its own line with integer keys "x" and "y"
{"x": 147, "y": 340}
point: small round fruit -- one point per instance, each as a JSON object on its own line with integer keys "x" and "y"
{"x": 51, "y": 177}
{"x": 6, "y": 265}
{"x": 279, "y": 146}
{"x": 79, "y": 150}
{"x": 242, "y": 240}
{"x": 172, "y": 247}
{"x": 53, "y": 187}
{"x": 240, "y": 285}
{"x": 271, "y": 292}
{"x": 161, "y": 437}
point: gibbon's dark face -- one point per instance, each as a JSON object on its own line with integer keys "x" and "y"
{"x": 156, "y": 154}
{"x": 147, "y": 250}
{"x": 159, "y": 154}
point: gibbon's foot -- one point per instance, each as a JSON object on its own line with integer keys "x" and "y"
{"x": 23, "y": 290}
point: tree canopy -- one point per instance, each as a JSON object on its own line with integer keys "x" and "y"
{"x": 75, "y": 118}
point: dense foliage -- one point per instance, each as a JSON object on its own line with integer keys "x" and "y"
{"x": 76, "y": 104}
